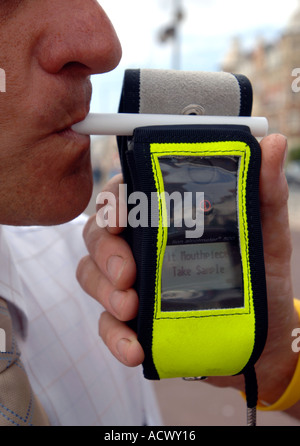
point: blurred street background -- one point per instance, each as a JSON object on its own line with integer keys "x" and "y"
{"x": 260, "y": 40}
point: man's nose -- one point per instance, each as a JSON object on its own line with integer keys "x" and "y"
{"x": 78, "y": 35}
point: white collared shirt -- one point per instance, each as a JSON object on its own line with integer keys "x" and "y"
{"x": 74, "y": 375}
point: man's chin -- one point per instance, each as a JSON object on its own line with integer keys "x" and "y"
{"x": 70, "y": 201}
{"x": 52, "y": 213}
{"x": 63, "y": 215}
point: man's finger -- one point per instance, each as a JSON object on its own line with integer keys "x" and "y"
{"x": 112, "y": 205}
{"x": 121, "y": 340}
{"x": 111, "y": 254}
{"x": 274, "y": 199}
{"x": 122, "y": 304}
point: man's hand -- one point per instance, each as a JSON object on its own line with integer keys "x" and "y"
{"x": 108, "y": 274}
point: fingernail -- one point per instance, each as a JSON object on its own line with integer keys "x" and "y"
{"x": 115, "y": 266}
{"x": 122, "y": 347}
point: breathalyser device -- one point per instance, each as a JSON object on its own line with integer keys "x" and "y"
{"x": 200, "y": 262}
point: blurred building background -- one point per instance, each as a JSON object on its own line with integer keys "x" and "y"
{"x": 105, "y": 162}
{"x": 271, "y": 63}
{"x": 271, "y": 66}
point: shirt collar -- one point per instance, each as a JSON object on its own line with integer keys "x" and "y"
{"x": 11, "y": 288}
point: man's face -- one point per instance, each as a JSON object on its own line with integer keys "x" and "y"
{"x": 48, "y": 49}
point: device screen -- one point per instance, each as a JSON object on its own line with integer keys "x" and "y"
{"x": 203, "y": 273}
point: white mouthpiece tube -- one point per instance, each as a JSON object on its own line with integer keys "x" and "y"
{"x": 123, "y": 124}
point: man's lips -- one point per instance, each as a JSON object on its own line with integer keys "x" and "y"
{"x": 71, "y": 134}
{"x": 74, "y": 148}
